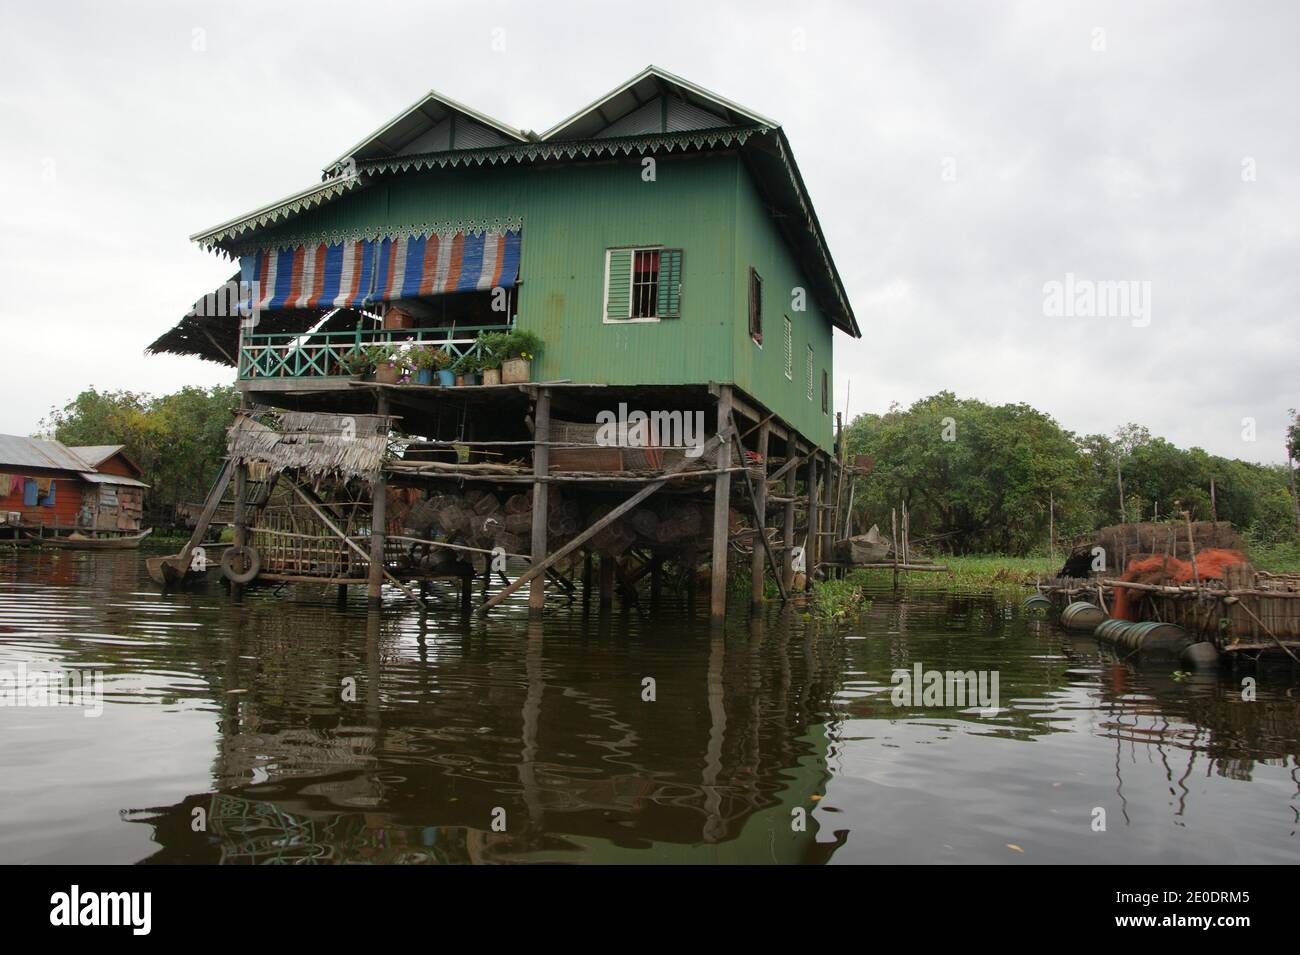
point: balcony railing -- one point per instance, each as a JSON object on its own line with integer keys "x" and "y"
{"x": 325, "y": 354}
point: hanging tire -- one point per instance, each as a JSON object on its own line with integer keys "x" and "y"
{"x": 240, "y": 565}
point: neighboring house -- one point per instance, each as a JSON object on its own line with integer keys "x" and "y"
{"x": 48, "y": 484}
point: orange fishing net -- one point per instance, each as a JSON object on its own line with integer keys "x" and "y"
{"x": 1170, "y": 570}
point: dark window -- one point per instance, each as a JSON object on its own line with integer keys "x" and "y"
{"x": 826, "y": 392}
{"x": 755, "y": 307}
{"x": 645, "y": 284}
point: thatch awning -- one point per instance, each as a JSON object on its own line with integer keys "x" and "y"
{"x": 216, "y": 337}
{"x": 319, "y": 444}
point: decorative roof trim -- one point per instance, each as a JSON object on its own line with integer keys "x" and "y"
{"x": 806, "y": 207}
{"x": 219, "y": 237}
{"x": 298, "y": 202}
{"x": 497, "y": 225}
{"x": 567, "y": 149}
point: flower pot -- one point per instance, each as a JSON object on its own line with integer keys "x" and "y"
{"x": 491, "y": 376}
{"x": 446, "y": 378}
{"x": 515, "y": 371}
{"x": 387, "y": 374}
{"x": 469, "y": 378}
{"x": 424, "y": 376}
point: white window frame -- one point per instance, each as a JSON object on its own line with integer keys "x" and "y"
{"x": 789, "y": 349}
{"x": 604, "y": 302}
{"x": 811, "y": 372}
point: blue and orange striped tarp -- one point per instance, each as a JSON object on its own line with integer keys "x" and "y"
{"x": 359, "y": 272}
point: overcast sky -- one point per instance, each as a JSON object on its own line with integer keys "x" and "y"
{"x": 961, "y": 156}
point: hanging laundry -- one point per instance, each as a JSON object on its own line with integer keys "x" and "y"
{"x": 7, "y": 484}
{"x": 43, "y": 486}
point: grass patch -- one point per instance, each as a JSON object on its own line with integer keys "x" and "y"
{"x": 1276, "y": 558}
{"x": 838, "y": 599}
{"x": 994, "y": 573}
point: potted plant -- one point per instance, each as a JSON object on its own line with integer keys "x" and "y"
{"x": 430, "y": 362}
{"x": 521, "y": 347}
{"x": 492, "y": 350}
{"x": 389, "y": 363}
{"x": 467, "y": 368}
{"x": 357, "y": 362}
{"x": 446, "y": 375}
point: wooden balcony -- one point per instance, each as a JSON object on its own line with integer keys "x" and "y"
{"x": 324, "y": 354}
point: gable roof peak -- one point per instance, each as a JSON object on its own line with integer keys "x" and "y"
{"x": 702, "y": 108}
{"x": 429, "y": 125}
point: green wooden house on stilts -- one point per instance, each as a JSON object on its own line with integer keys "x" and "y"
{"x": 658, "y": 259}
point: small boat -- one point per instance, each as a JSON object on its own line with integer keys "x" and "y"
{"x": 154, "y": 566}
{"x": 77, "y": 541}
{"x": 868, "y": 548}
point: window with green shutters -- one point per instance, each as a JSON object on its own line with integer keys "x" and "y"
{"x": 642, "y": 284}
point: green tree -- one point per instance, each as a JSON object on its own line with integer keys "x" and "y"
{"x": 975, "y": 477}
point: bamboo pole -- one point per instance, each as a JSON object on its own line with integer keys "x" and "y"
{"x": 1191, "y": 550}
{"x": 893, "y": 541}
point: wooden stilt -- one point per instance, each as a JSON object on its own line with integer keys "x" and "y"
{"x": 541, "y": 467}
{"x": 606, "y": 581}
{"x": 812, "y": 547}
{"x": 757, "y": 559}
{"x": 791, "y": 479}
{"x": 378, "y": 524}
{"x": 586, "y": 578}
{"x": 656, "y": 578}
{"x": 721, "y": 507}
{"x": 241, "y": 529}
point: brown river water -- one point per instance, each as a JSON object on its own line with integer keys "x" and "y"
{"x": 283, "y": 729}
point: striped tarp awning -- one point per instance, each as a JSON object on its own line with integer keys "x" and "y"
{"x": 359, "y": 272}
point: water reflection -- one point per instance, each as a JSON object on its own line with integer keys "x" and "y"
{"x": 282, "y": 729}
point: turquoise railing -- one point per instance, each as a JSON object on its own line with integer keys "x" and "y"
{"x": 324, "y": 354}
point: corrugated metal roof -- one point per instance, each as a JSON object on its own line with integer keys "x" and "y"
{"x": 17, "y": 451}
{"x": 95, "y": 454}
{"x": 111, "y": 479}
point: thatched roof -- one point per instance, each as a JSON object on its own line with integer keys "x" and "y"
{"x": 216, "y": 337}
{"x": 318, "y": 443}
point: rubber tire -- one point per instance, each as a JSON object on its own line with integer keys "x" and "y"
{"x": 228, "y": 564}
